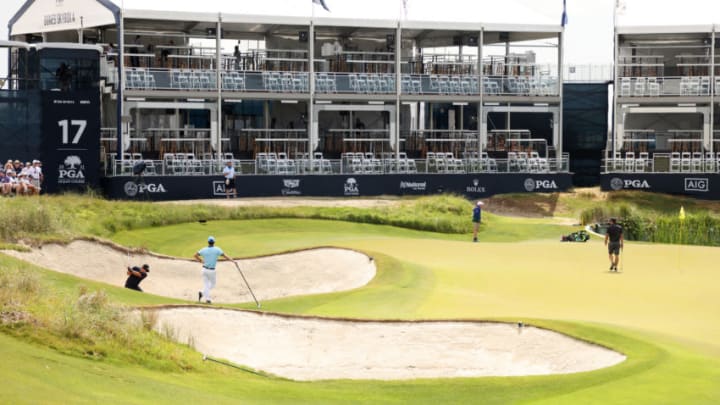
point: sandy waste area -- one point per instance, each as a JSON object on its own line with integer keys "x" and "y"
{"x": 310, "y": 349}
{"x": 307, "y": 272}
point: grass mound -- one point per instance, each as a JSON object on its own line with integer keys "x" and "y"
{"x": 86, "y": 324}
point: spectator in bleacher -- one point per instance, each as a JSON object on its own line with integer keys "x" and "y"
{"x": 477, "y": 219}
{"x": 25, "y": 186}
{"x": 8, "y": 165}
{"x": 14, "y": 187}
{"x": 236, "y": 54}
{"x": 229, "y": 174}
{"x": 5, "y": 186}
{"x": 36, "y": 175}
{"x": 63, "y": 74}
{"x": 135, "y": 60}
{"x": 17, "y": 166}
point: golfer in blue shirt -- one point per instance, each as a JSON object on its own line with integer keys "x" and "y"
{"x": 476, "y": 219}
{"x": 208, "y": 257}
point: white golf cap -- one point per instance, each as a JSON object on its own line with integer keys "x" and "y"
{"x": 211, "y": 239}
{"x": 480, "y": 203}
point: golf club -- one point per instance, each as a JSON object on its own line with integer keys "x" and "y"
{"x": 246, "y": 283}
{"x": 621, "y": 259}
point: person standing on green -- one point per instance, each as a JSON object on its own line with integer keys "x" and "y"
{"x": 477, "y": 219}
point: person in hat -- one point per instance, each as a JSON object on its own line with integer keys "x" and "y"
{"x": 5, "y": 186}
{"x": 476, "y": 219}
{"x": 36, "y": 176}
{"x": 135, "y": 276}
{"x": 614, "y": 242}
{"x": 229, "y": 174}
{"x": 209, "y": 256}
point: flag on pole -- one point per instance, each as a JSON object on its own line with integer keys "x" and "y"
{"x": 405, "y": 8}
{"x": 620, "y": 7}
{"x": 682, "y": 213}
{"x": 322, "y": 3}
{"x": 564, "y": 20}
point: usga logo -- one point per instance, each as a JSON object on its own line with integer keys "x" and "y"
{"x": 71, "y": 171}
{"x": 476, "y": 187}
{"x": 132, "y": 188}
{"x": 617, "y": 183}
{"x": 291, "y": 187}
{"x": 699, "y": 184}
{"x": 351, "y": 187}
{"x": 532, "y": 185}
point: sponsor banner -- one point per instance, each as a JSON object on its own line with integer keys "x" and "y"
{"x": 470, "y": 185}
{"x": 71, "y": 140}
{"x": 693, "y": 184}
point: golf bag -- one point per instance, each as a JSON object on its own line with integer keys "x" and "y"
{"x": 579, "y": 236}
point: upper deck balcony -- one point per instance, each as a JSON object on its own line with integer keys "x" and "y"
{"x": 667, "y": 64}
{"x": 336, "y": 59}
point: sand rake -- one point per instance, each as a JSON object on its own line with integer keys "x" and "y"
{"x": 246, "y": 283}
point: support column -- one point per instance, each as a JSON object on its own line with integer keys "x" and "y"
{"x": 561, "y": 58}
{"x": 712, "y": 92}
{"x": 311, "y": 80}
{"x": 120, "y": 83}
{"x": 481, "y": 89}
{"x": 615, "y": 112}
{"x": 218, "y": 84}
{"x": 398, "y": 61}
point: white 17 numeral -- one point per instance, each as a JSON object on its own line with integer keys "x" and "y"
{"x": 81, "y": 124}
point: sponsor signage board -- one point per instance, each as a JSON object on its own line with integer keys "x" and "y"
{"x": 71, "y": 140}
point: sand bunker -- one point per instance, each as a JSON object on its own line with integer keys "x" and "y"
{"x": 301, "y": 273}
{"x": 319, "y": 349}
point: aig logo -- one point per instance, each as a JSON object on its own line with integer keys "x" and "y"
{"x": 697, "y": 184}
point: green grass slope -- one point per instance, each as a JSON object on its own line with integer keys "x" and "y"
{"x": 661, "y": 312}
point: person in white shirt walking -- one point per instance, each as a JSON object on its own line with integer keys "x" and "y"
{"x": 229, "y": 174}
{"x": 208, "y": 256}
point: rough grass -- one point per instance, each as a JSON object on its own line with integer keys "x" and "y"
{"x": 69, "y": 216}
{"x": 86, "y": 324}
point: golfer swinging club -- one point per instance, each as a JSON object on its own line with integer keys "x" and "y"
{"x": 208, "y": 257}
{"x": 614, "y": 235}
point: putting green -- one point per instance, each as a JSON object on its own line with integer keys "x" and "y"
{"x": 662, "y": 311}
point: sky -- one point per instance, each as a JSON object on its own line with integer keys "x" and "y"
{"x": 588, "y": 32}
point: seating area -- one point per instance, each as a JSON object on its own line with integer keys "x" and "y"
{"x": 444, "y": 162}
{"x": 233, "y": 81}
{"x": 286, "y": 82}
{"x": 368, "y": 163}
{"x": 630, "y": 163}
{"x": 140, "y": 79}
{"x": 372, "y": 83}
{"x": 525, "y": 162}
{"x": 475, "y": 162}
{"x": 325, "y": 83}
{"x": 654, "y": 86}
{"x": 192, "y": 79}
{"x": 695, "y": 162}
{"x": 695, "y": 86}
{"x": 465, "y": 84}
{"x": 280, "y": 164}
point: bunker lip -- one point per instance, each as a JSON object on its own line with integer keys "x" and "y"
{"x": 312, "y": 271}
{"x": 310, "y": 348}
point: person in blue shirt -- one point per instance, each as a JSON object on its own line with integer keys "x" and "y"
{"x": 476, "y": 219}
{"x": 208, "y": 256}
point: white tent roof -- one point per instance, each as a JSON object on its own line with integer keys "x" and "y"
{"x": 56, "y": 15}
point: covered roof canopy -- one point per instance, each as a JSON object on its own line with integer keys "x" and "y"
{"x": 277, "y": 16}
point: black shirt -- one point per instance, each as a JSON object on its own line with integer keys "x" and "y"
{"x": 614, "y": 232}
{"x": 134, "y": 281}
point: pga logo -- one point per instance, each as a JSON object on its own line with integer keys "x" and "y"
{"x": 351, "y": 187}
{"x": 132, "y": 188}
{"x": 636, "y": 184}
{"x": 71, "y": 170}
{"x": 532, "y": 185}
{"x": 697, "y": 184}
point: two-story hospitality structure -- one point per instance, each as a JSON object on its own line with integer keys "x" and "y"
{"x": 666, "y": 126}
{"x": 300, "y": 105}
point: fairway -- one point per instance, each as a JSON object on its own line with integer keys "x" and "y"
{"x": 660, "y": 312}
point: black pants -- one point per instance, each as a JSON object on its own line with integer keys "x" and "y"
{"x": 134, "y": 287}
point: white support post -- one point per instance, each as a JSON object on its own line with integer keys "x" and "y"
{"x": 615, "y": 110}
{"x": 311, "y": 81}
{"x": 481, "y": 88}
{"x": 218, "y": 84}
{"x": 561, "y": 58}
{"x": 398, "y": 54}
{"x": 712, "y": 92}
{"x": 121, "y": 84}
